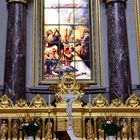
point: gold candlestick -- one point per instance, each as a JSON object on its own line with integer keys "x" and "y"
{"x": 49, "y": 103}
{"x": 90, "y": 103}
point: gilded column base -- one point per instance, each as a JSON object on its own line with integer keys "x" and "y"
{"x": 22, "y": 1}
{"x": 108, "y": 1}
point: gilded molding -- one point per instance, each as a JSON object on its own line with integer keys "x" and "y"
{"x": 21, "y": 1}
{"x": 37, "y": 71}
{"x": 108, "y": 1}
{"x": 34, "y": 43}
{"x": 137, "y": 22}
{"x": 99, "y": 40}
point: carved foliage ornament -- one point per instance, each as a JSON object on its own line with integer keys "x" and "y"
{"x": 100, "y": 101}
{"x": 5, "y": 102}
{"x": 21, "y": 103}
{"x": 133, "y": 101}
{"x": 38, "y": 102}
{"x": 68, "y": 82}
{"x": 117, "y": 102}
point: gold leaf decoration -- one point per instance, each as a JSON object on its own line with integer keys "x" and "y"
{"x": 37, "y": 101}
{"x": 21, "y": 103}
{"x": 132, "y": 101}
{"x": 100, "y": 101}
{"x": 117, "y": 102}
{"x": 5, "y": 102}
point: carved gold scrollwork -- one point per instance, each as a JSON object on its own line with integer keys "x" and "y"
{"x": 21, "y": 103}
{"x": 61, "y": 124}
{"x": 38, "y": 102}
{"x": 132, "y": 101}
{"x": 5, "y": 102}
{"x": 100, "y": 101}
{"x": 116, "y": 103}
{"x": 77, "y": 127}
{"x": 68, "y": 82}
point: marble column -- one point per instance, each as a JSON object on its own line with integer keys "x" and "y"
{"x": 118, "y": 55}
{"x": 15, "y": 61}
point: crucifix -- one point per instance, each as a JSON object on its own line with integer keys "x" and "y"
{"x": 64, "y": 91}
{"x": 69, "y": 98}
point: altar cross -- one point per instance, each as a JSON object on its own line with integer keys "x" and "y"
{"x": 69, "y": 98}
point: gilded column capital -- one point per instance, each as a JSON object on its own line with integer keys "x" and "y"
{"x": 114, "y": 1}
{"x": 21, "y": 1}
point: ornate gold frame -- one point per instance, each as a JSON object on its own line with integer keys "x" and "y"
{"x": 37, "y": 68}
{"x": 137, "y": 21}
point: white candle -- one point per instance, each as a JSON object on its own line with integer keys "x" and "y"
{"x": 89, "y": 102}
{"x": 49, "y": 101}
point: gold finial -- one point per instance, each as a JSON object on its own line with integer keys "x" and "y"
{"x": 5, "y": 102}
{"x": 100, "y": 101}
{"x": 133, "y": 101}
{"x": 38, "y": 102}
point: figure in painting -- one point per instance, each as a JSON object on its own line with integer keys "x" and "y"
{"x": 68, "y": 54}
{"x": 51, "y": 59}
{"x": 52, "y": 46}
{"x": 53, "y": 38}
{"x": 83, "y": 70}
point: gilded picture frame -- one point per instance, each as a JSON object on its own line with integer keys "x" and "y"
{"x": 137, "y": 26}
{"x": 38, "y": 45}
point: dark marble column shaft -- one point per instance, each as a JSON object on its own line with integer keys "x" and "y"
{"x": 15, "y": 65}
{"x": 118, "y": 55}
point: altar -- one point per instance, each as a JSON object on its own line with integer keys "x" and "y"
{"x": 69, "y": 118}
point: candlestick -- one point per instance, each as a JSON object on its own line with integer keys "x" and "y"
{"x": 89, "y": 102}
{"x": 49, "y": 102}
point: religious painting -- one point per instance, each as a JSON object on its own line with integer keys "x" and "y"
{"x": 68, "y": 39}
